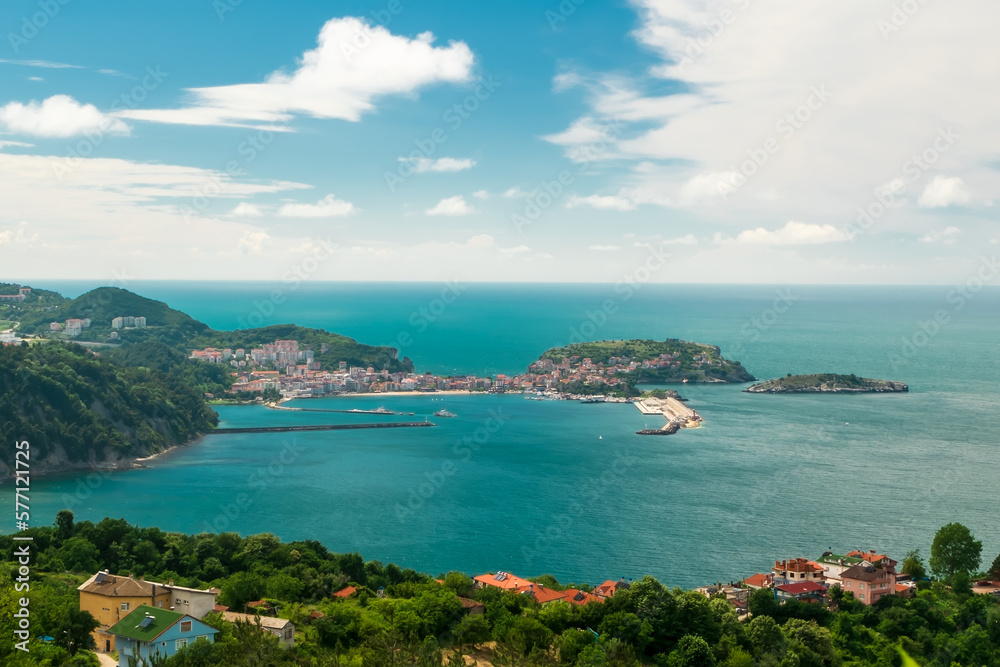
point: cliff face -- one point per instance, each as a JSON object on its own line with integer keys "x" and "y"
{"x": 827, "y": 383}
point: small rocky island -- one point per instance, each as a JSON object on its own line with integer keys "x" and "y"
{"x": 826, "y": 383}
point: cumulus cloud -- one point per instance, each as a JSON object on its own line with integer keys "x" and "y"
{"x": 586, "y": 140}
{"x": 58, "y": 116}
{"x": 793, "y": 233}
{"x": 253, "y": 243}
{"x": 246, "y": 210}
{"x": 481, "y": 194}
{"x": 451, "y": 206}
{"x": 425, "y": 165}
{"x": 605, "y": 248}
{"x": 353, "y": 65}
{"x": 945, "y": 235}
{"x": 18, "y": 236}
{"x": 944, "y": 191}
{"x": 327, "y": 207}
{"x": 607, "y": 202}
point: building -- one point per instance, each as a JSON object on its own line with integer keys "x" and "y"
{"x": 868, "y": 583}
{"x": 151, "y": 630}
{"x": 109, "y": 598}
{"x": 609, "y": 588}
{"x": 22, "y": 294}
{"x": 542, "y": 594}
{"x": 472, "y": 607}
{"x": 281, "y": 628}
{"x": 580, "y": 598}
{"x": 805, "y": 591}
{"x": 759, "y": 580}
{"x": 834, "y": 564}
{"x": 128, "y": 322}
{"x": 795, "y": 570}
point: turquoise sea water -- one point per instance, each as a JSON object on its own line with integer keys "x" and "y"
{"x": 559, "y": 487}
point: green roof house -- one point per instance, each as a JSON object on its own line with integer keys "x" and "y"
{"x": 149, "y": 630}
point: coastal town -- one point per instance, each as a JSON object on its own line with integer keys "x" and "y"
{"x": 291, "y": 370}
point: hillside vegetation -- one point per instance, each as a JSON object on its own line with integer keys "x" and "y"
{"x": 826, "y": 383}
{"x": 78, "y": 409}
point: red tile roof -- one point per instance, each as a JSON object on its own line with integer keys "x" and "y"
{"x": 578, "y": 597}
{"x": 345, "y": 592}
{"x": 801, "y": 587}
{"x": 759, "y": 580}
{"x": 609, "y": 588}
{"x": 503, "y": 580}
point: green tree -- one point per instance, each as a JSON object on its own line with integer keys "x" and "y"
{"x": 573, "y": 642}
{"x": 913, "y": 565}
{"x": 691, "y": 651}
{"x": 64, "y": 524}
{"x": 762, "y": 603}
{"x": 955, "y": 550}
{"x": 994, "y": 570}
{"x": 72, "y": 630}
{"x": 471, "y": 630}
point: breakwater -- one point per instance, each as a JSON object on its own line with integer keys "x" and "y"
{"x": 318, "y": 427}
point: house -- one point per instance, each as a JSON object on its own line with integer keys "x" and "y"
{"x": 502, "y": 580}
{"x": 281, "y": 628}
{"x": 868, "y": 583}
{"x": 872, "y": 558}
{"x": 796, "y": 570}
{"x": 472, "y": 607}
{"x": 541, "y": 593}
{"x": 805, "y": 591}
{"x": 580, "y": 598}
{"x": 759, "y": 580}
{"x": 834, "y": 564}
{"x": 345, "y": 592}
{"x": 151, "y": 630}
{"x": 609, "y": 588}
{"x": 109, "y": 598}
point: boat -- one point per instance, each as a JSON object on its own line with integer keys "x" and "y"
{"x": 444, "y": 413}
{"x": 592, "y": 399}
{"x": 382, "y": 410}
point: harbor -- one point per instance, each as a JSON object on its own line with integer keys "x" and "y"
{"x": 677, "y": 414}
{"x": 318, "y": 427}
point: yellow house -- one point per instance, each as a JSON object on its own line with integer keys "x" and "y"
{"x": 110, "y": 598}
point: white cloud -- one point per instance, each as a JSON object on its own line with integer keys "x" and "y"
{"x": 606, "y": 202}
{"x": 481, "y": 194}
{"x": 425, "y": 165}
{"x": 58, "y": 116}
{"x": 832, "y": 156}
{"x": 688, "y": 239}
{"x": 451, "y": 206}
{"x": 247, "y": 210}
{"x": 17, "y": 144}
{"x": 353, "y": 64}
{"x": 516, "y": 250}
{"x": 253, "y": 243}
{"x": 481, "y": 241}
{"x": 516, "y": 193}
{"x": 605, "y": 248}
{"x": 944, "y": 191}
{"x": 327, "y": 207}
{"x": 945, "y": 235}
{"x": 793, "y": 233}
{"x": 18, "y": 236}
{"x": 586, "y": 140}
{"x": 35, "y": 78}
{"x": 46, "y": 64}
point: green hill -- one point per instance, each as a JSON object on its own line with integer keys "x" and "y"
{"x": 78, "y": 409}
{"x": 826, "y": 383}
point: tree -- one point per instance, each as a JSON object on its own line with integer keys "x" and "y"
{"x": 64, "y": 524}
{"x": 692, "y": 651}
{"x": 72, "y": 630}
{"x": 762, "y": 603}
{"x": 994, "y": 570}
{"x": 955, "y": 550}
{"x": 472, "y": 629}
{"x": 913, "y": 565}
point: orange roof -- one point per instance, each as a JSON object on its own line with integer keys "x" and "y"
{"x": 578, "y": 597}
{"x": 345, "y": 592}
{"x": 608, "y": 588}
{"x": 869, "y": 556}
{"x": 503, "y": 580}
{"x": 759, "y": 580}
{"x": 798, "y": 565}
{"x": 542, "y": 594}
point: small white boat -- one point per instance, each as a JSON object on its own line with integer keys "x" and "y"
{"x": 444, "y": 413}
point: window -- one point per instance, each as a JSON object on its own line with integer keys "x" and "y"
{"x": 862, "y": 596}
{"x": 125, "y": 606}
{"x": 180, "y": 643}
{"x": 861, "y": 586}
{"x": 160, "y": 604}
{"x": 185, "y": 626}
{"x": 288, "y": 633}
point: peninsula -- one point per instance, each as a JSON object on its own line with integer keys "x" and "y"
{"x": 826, "y": 383}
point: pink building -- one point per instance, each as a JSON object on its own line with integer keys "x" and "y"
{"x": 868, "y": 583}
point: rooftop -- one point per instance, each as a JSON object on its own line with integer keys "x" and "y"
{"x": 268, "y": 622}
{"x": 146, "y": 623}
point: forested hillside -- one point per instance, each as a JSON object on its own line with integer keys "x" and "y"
{"x": 79, "y": 409}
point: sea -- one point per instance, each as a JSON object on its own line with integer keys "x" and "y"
{"x": 564, "y": 488}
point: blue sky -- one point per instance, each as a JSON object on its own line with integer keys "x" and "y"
{"x": 720, "y": 141}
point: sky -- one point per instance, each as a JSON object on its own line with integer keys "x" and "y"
{"x": 676, "y": 141}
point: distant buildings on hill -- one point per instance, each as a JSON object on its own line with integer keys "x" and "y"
{"x": 21, "y": 295}
{"x": 128, "y": 322}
